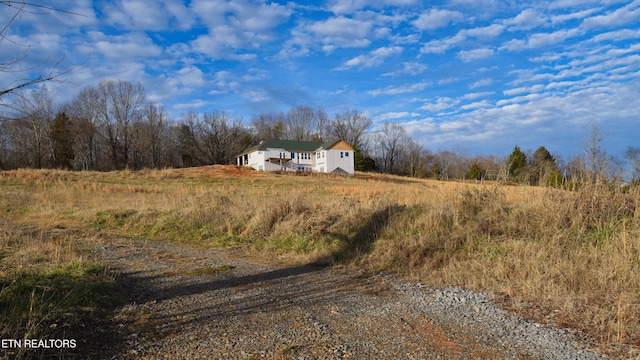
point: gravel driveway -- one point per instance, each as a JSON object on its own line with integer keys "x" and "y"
{"x": 190, "y": 303}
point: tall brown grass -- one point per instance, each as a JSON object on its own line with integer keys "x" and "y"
{"x": 570, "y": 258}
{"x": 48, "y": 281}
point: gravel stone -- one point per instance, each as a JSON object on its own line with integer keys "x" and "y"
{"x": 262, "y": 310}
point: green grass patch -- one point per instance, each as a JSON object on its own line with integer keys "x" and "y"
{"x": 31, "y": 300}
{"x": 228, "y": 241}
{"x": 108, "y": 219}
{"x": 286, "y": 243}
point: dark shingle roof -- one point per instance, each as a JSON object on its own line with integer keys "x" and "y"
{"x": 289, "y": 145}
{"x": 328, "y": 144}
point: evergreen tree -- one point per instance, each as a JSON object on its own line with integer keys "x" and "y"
{"x": 517, "y": 163}
{"x": 362, "y": 162}
{"x": 187, "y": 144}
{"x": 62, "y": 136}
{"x": 554, "y": 179}
{"x": 475, "y": 172}
{"x": 542, "y": 165}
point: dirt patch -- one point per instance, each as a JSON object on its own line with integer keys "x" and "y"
{"x": 257, "y": 309}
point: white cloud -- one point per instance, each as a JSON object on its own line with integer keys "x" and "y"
{"x": 342, "y": 32}
{"x": 375, "y": 57}
{"x": 435, "y": 47}
{"x": 514, "y": 45}
{"x": 481, "y": 83}
{"x": 558, "y": 19}
{"x": 442, "y": 103}
{"x": 546, "y": 39}
{"x": 148, "y": 15}
{"x": 476, "y": 105}
{"x": 190, "y": 77}
{"x": 218, "y": 43}
{"x": 618, "y": 35}
{"x": 523, "y": 90}
{"x": 256, "y": 75}
{"x": 193, "y": 104}
{"x": 122, "y": 47}
{"x": 528, "y": 19}
{"x": 341, "y": 7}
{"x": 436, "y": 18}
{"x": 618, "y": 17}
{"x": 486, "y": 32}
{"x": 395, "y": 115}
{"x": 234, "y": 27}
{"x": 409, "y": 68}
{"x": 440, "y": 46}
{"x": 258, "y": 18}
{"x": 477, "y": 95}
{"x": 476, "y": 54}
{"x": 397, "y": 90}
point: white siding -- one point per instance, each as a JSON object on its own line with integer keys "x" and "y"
{"x": 340, "y": 159}
{"x": 322, "y": 161}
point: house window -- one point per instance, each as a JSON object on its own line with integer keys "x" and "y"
{"x": 293, "y": 155}
{"x": 346, "y": 153}
{"x": 341, "y": 154}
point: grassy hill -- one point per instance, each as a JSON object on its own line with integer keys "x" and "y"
{"x": 567, "y": 258}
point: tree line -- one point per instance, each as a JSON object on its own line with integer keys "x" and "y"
{"x": 112, "y": 126}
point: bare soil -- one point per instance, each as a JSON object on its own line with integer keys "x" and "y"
{"x": 219, "y": 304}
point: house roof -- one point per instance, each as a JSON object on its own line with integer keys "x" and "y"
{"x": 292, "y": 145}
{"x": 289, "y": 145}
{"x": 336, "y": 144}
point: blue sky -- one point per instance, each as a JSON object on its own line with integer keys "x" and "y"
{"x": 475, "y": 75}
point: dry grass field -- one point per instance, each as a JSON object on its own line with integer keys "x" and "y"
{"x": 566, "y": 258}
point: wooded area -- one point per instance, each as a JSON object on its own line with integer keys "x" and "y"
{"x": 113, "y": 126}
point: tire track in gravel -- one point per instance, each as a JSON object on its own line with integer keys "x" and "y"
{"x": 260, "y": 309}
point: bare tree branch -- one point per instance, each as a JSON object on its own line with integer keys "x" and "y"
{"x": 21, "y": 7}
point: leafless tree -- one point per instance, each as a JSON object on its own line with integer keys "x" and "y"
{"x": 321, "y": 121}
{"x": 300, "y": 123}
{"x": 595, "y": 157}
{"x": 83, "y": 111}
{"x": 120, "y": 103}
{"x": 269, "y": 126}
{"x": 35, "y": 114}
{"x": 443, "y": 163}
{"x": 304, "y": 123}
{"x": 351, "y": 126}
{"x": 15, "y": 64}
{"x": 391, "y": 145}
{"x": 152, "y": 134}
{"x": 414, "y": 162}
{"x": 633, "y": 157}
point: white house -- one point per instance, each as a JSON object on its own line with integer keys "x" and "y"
{"x": 287, "y": 155}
